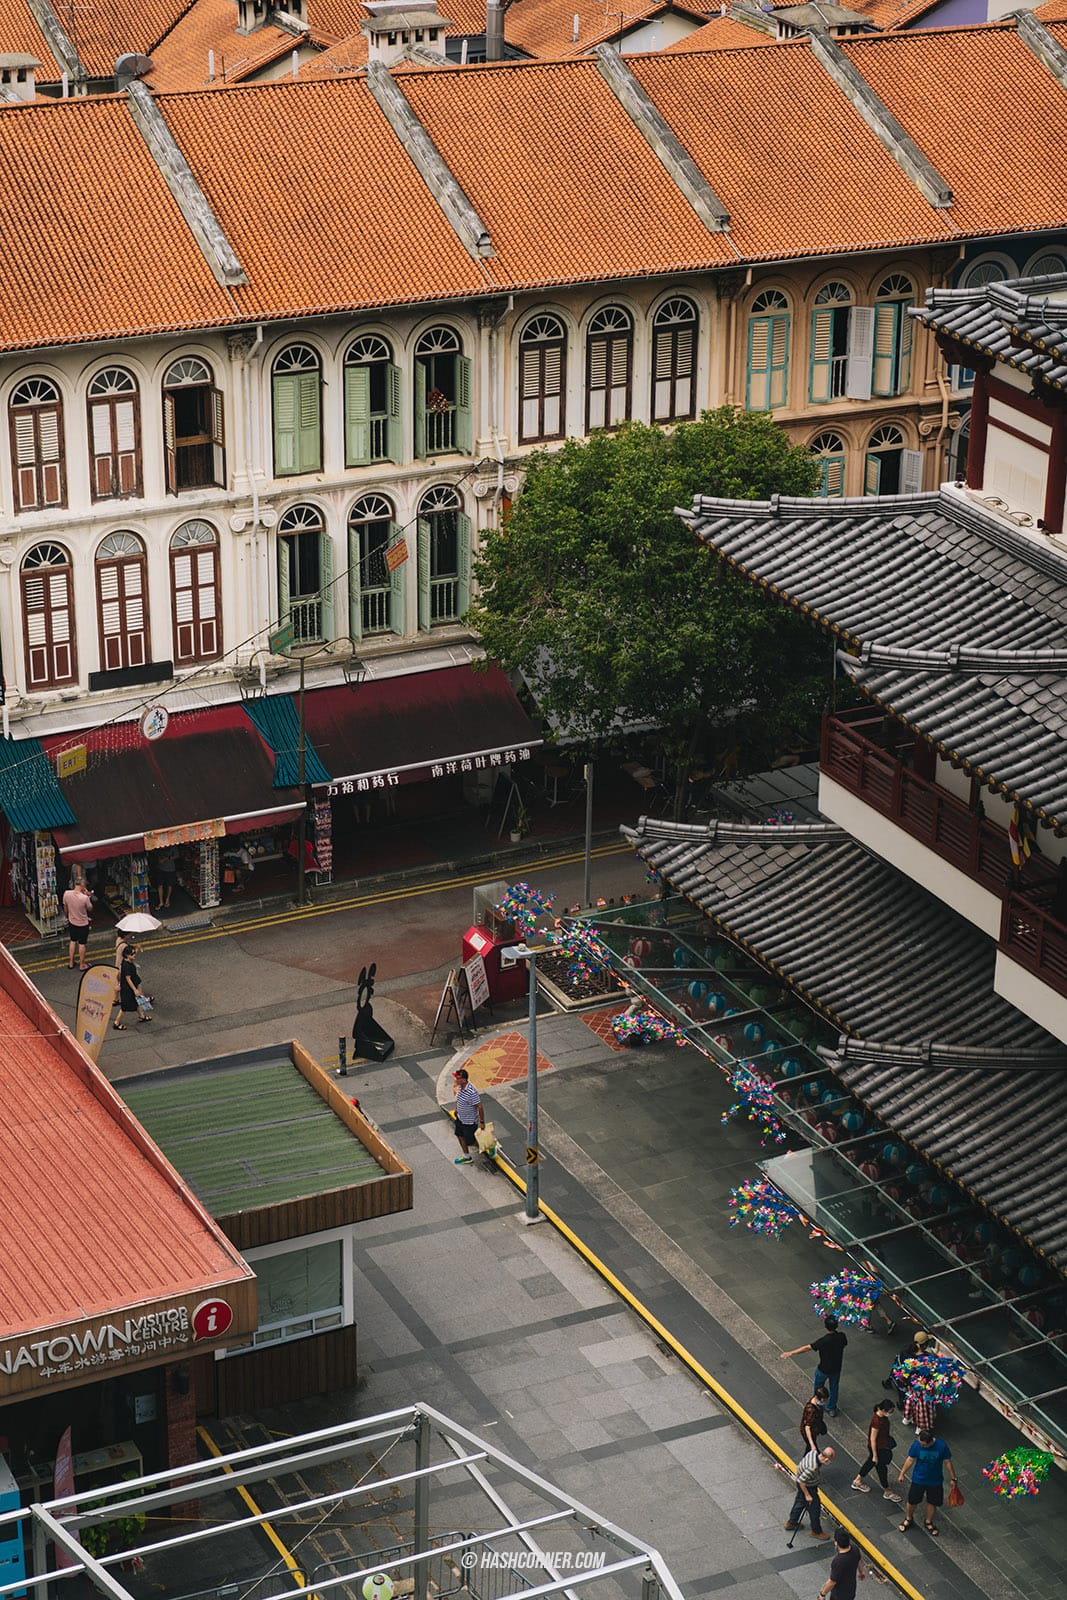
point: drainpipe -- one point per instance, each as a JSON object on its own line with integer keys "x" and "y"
{"x": 494, "y": 401}
{"x": 731, "y": 340}
{"x": 251, "y": 364}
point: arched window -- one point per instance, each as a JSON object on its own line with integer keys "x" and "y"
{"x": 122, "y": 602}
{"x": 375, "y": 595}
{"x": 542, "y": 379}
{"x": 48, "y": 617}
{"x": 889, "y": 467}
{"x": 957, "y": 451}
{"x": 372, "y": 403}
{"x": 195, "y": 599}
{"x": 194, "y": 440}
{"x": 114, "y": 411}
{"x": 892, "y": 335}
{"x": 988, "y": 270}
{"x": 767, "y": 381}
{"x": 296, "y": 396}
{"x": 38, "y": 467}
{"x": 444, "y": 557}
{"x": 442, "y": 395}
{"x": 1045, "y": 264}
{"x": 305, "y": 574}
{"x": 674, "y": 356}
{"x": 829, "y": 450}
{"x": 830, "y": 320}
{"x": 609, "y": 350}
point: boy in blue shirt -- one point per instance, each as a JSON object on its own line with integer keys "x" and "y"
{"x": 927, "y": 1458}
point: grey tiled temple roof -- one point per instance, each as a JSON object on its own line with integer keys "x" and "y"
{"x": 966, "y": 1078}
{"x": 1015, "y": 322}
{"x": 957, "y": 624}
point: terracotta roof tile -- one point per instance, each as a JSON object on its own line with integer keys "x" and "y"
{"x": 545, "y": 28}
{"x": 977, "y": 141}
{"x": 102, "y": 30}
{"x": 889, "y": 14}
{"x": 20, "y": 36}
{"x": 842, "y": 190}
{"x": 138, "y": 1233}
{"x": 74, "y": 269}
{"x": 721, "y": 33}
{"x": 180, "y": 59}
{"x": 1052, "y": 11}
{"x": 584, "y": 195}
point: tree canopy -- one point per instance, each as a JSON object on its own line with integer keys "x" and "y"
{"x": 613, "y": 613}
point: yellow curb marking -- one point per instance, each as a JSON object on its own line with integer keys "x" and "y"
{"x": 295, "y": 1572}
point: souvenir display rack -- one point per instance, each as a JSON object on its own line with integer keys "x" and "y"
{"x": 322, "y": 838}
{"x": 262, "y": 846}
{"x": 129, "y": 874}
{"x": 33, "y": 878}
{"x": 198, "y": 871}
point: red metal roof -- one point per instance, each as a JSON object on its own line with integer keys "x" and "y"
{"x": 94, "y": 1219}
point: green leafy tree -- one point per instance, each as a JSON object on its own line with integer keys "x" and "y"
{"x": 602, "y": 598}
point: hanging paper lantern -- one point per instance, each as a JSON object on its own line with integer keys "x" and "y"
{"x": 1028, "y": 1275}
{"x": 1018, "y": 1472}
{"x": 633, "y": 962}
{"x": 697, "y": 989}
{"x": 828, "y": 1131}
{"x": 640, "y": 948}
{"x": 939, "y": 1378}
{"x": 848, "y": 1296}
{"x": 761, "y": 1208}
{"x": 773, "y": 1048}
{"x": 1010, "y": 1261}
{"x": 830, "y": 1097}
{"x": 894, "y": 1154}
{"x": 731, "y": 1011}
{"x": 935, "y": 1194}
{"x": 716, "y": 1004}
{"x": 916, "y": 1174}
{"x": 754, "y": 1032}
{"x": 681, "y": 956}
{"x": 982, "y": 1233}
{"x": 791, "y": 1067}
{"x": 871, "y": 1169}
{"x": 1036, "y": 1318}
{"x": 815, "y": 1090}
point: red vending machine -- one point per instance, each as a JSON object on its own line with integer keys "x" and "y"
{"x": 490, "y": 934}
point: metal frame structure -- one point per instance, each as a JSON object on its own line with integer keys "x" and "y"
{"x": 438, "y": 1449}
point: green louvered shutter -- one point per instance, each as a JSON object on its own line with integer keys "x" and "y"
{"x": 464, "y": 536}
{"x": 833, "y": 477}
{"x": 421, "y": 379}
{"x": 357, "y": 416}
{"x": 464, "y": 435}
{"x": 904, "y": 337}
{"x": 286, "y": 412}
{"x": 309, "y": 422}
{"x": 822, "y": 350}
{"x": 283, "y": 582}
{"x": 326, "y": 629}
{"x": 355, "y": 587}
{"x": 396, "y": 585}
{"x": 394, "y": 434}
{"x": 757, "y": 389}
{"x": 886, "y": 320}
{"x": 872, "y": 476}
{"x": 424, "y": 574}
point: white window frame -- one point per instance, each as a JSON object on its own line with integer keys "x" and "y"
{"x": 346, "y": 1236}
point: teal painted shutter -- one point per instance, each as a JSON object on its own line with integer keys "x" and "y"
{"x": 886, "y": 319}
{"x": 905, "y": 334}
{"x": 283, "y": 582}
{"x": 310, "y": 422}
{"x": 757, "y": 388}
{"x": 357, "y": 416}
{"x": 355, "y": 587}
{"x": 822, "y": 349}
{"x": 394, "y": 437}
{"x": 424, "y": 573}
{"x": 464, "y": 428}
{"x": 420, "y": 409}
{"x": 779, "y": 360}
{"x": 463, "y": 565}
{"x": 218, "y": 439}
{"x": 872, "y": 475}
{"x": 396, "y": 585}
{"x": 833, "y": 477}
{"x": 326, "y": 629}
{"x": 286, "y": 408}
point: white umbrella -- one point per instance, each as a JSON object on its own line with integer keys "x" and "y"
{"x": 138, "y": 922}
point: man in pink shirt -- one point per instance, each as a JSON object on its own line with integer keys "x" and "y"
{"x": 78, "y": 910}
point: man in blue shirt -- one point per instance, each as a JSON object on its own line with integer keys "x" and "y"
{"x": 928, "y": 1458}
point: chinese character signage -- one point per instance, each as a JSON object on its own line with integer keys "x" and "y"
{"x": 188, "y": 833}
{"x": 454, "y": 766}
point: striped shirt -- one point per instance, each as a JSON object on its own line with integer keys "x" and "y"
{"x": 468, "y": 1101}
{"x": 809, "y": 1469}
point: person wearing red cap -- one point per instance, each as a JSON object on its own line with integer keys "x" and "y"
{"x": 470, "y": 1115}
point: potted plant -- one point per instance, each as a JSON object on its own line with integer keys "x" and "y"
{"x": 520, "y": 824}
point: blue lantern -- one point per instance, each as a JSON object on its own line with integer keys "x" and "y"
{"x": 894, "y": 1154}
{"x": 792, "y": 1067}
{"x": 681, "y": 956}
{"x": 697, "y": 989}
{"x": 852, "y": 1122}
{"x": 754, "y": 1032}
{"x": 814, "y": 1091}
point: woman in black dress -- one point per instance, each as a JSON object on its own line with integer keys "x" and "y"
{"x": 129, "y": 988}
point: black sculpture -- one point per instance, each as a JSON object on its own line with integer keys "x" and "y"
{"x": 369, "y": 1037}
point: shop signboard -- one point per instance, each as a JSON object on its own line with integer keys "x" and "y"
{"x": 96, "y": 996}
{"x": 187, "y": 833}
{"x": 70, "y": 759}
{"x": 396, "y": 555}
{"x": 477, "y": 982}
{"x": 484, "y": 761}
{"x": 282, "y": 641}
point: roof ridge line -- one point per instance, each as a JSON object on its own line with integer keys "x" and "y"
{"x": 1037, "y": 39}
{"x": 932, "y": 1053}
{"x": 883, "y": 124}
{"x": 58, "y": 40}
{"x": 190, "y": 199}
{"x": 661, "y": 140}
{"x": 741, "y": 832}
{"x": 430, "y": 164}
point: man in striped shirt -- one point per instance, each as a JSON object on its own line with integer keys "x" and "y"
{"x": 470, "y": 1115}
{"x": 807, "y": 1478}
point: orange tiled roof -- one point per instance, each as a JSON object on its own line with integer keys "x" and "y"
{"x": 977, "y": 142}
{"x": 889, "y": 14}
{"x": 102, "y": 30}
{"x": 94, "y": 1219}
{"x": 181, "y": 58}
{"x": 721, "y": 33}
{"x": 20, "y": 36}
{"x": 544, "y": 29}
{"x": 1052, "y": 11}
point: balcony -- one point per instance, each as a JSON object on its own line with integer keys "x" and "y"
{"x": 867, "y": 754}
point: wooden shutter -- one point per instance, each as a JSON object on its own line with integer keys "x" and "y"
{"x": 464, "y": 537}
{"x": 619, "y": 409}
{"x": 123, "y": 614}
{"x": 424, "y": 574}
{"x": 194, "y": 582}
{"x": 394, "y": 434}
{"x": 905, "y": 334}
{"x": 833, "y": 477}
{"x": 218, "y": 438}
{"x": 911, "y": 471}
{"x": 101, "y": 445}
{"x": 50, "y": 445}
{"x": 596, "y": 399}
{"x": 357, "y": 416}
{"x": 127, "y": 463}
{"x": 552, "y": 391}
{"x": 49, "y": 628}
{"x": 464, "y": 436}
{"x": 860, "y": 351}
{"x": 662, "y": 375}
{"x": 24, "y": 457}
{"x": 757, "y": 390}
{"x": 886, "y": 318}
{"x": 779, "y": 359}
{"x": 820, "y": 382}
{"x": 421, "y": 382}
{"x": 309, "y": 421}
{"x": 355, "y": 578}
{"x": 531, "y": 391}
{"x": 872, "y": 475}
{"x": 283, "y": 581}
{"x": 684, "y": 352}
{"x": 326, "y": 627}
{"x": 396, "y": 586}
{"x": 170, "y": 452}
{"x": 286, "y": 407}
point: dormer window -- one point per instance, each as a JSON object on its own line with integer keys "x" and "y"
{"x": 433, "y": 35}
{"x": 418, "y": 35}
{"x": 390, "y": 38}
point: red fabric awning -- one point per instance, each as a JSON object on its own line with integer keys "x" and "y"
{"x": 208, "y": 764}
{"x": 421, "y": 726}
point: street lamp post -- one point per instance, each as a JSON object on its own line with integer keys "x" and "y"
{"x": 301, "y": 778}
{"x": 531, "y": 1210}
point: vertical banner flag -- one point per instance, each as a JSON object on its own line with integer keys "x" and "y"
{"x": 96, "y": 996}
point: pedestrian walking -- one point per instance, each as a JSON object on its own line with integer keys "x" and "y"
{"x": 130, "y": 991}
{"x": 920, "y": 1411}
{"x": 928, "y": 1457}
{"x": 845, "y": 1568}
{"x": 167, "y": 875}
{"x": 470, "y": 1115}
{"x": 920, "y": 1344}
{"x": 807, "y": 1478}
{"x": 812, "y": 1424}
{"x": 829, "y": 1349}
{"x": 880, "y": 1447}
{"x": 78, "y": 910}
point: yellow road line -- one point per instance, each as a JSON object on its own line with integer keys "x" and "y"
{"x": 295, "y": 1572}
{"x": 738, "y": 1410}
{"x": 383, "y": 897}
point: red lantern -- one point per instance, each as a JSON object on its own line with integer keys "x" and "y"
{"x": 640, "y": 948}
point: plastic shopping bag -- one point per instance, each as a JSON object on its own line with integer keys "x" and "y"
{"x": 955, "y": 1495}
{"x": 486, "y": 1138}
